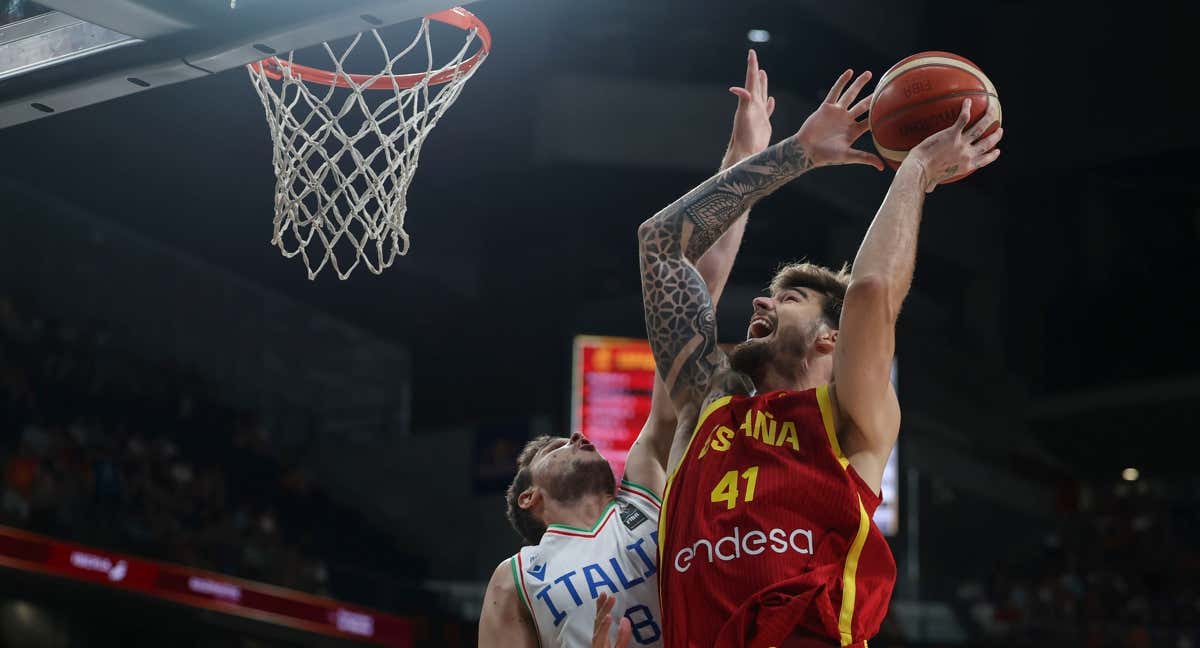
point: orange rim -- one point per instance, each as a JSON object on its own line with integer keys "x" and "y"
{"x": 273, "y": 66}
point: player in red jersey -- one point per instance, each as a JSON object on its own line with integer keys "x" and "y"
{"x": 549, "y": 593}
{"x": 766, "y": 536}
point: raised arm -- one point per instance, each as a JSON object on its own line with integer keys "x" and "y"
{"x": 504, "y": 622}
{"x": 646, "y": 464}
{"x": 879, "y": 282}
{"x": 751, "y": 134}
{"x": 679, "y": 311}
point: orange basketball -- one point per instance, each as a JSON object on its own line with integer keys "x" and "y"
{"x": 922, "y": 95}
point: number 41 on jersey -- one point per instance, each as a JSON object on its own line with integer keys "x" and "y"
{"x": 727, "y": 491}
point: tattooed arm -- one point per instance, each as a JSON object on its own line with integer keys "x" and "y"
{"x": 680, "y": 321}
{"x": 879, "y": 282}
{"x": 679, "y": 310}
{"x": 646, "y": 464}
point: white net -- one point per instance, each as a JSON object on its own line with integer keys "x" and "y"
{"x": 346, "y": 148}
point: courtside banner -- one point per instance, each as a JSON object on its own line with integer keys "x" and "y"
{"x": 208, "y": 590}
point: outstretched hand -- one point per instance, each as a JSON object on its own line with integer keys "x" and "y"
{"x": 752, "y": 121}
{"x": 956, "y": 150}
{"x": 604, "y": 619}
{"x": 829, "y": 134}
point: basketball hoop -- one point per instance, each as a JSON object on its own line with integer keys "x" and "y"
{"x": 343, "y": 163}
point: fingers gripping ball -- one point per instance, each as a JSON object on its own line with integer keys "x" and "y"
{"x": 922, "y": 95}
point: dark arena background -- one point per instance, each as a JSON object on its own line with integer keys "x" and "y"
{"x": 202, "y": 447}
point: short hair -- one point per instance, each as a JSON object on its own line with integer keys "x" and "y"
{"x": 527, "y": 525}
{"x": 829, "y": 283}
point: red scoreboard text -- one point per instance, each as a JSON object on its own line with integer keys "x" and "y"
{"x": 612, "y": 381}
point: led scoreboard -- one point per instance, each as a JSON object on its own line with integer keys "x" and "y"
{"x": 611, "y": 383}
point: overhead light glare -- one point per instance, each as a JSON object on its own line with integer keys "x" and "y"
{"x": 758, "y": 35}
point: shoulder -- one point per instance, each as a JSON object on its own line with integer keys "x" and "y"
{"x": 724, "y": 382}
{"x": 725, "y": 385}
{"x": 503, "y": 581}
{"x": 505, "y": 620}
{"x": 728, "y": 382}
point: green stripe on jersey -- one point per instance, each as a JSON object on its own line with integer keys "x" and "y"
{"x": 520, "y": 588}
{"x": 603, "y": 514}
{"x": 642, "y": 489}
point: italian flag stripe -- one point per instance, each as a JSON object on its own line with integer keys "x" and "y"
{"x": 645, "y": 493}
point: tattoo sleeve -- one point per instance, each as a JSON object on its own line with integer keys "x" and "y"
{"x": 680, "y": 321}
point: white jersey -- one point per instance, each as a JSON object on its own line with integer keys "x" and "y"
{"x": 560, "y": 578}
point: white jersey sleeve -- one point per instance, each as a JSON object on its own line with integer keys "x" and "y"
{"x": 644, "y": 499}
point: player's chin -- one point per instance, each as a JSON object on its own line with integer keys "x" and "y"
{"x": 589, "y": 461}
{"x": 596, "y": 461}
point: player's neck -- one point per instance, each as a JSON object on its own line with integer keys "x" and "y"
{"x": 581, "y": 513}
{"x": 807, "y": 374}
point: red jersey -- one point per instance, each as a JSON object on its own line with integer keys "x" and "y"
{"x": 766, "y": 531}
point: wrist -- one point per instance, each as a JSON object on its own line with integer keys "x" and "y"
{"x": 800, "y": 148}
{"x": 735, "y": 154}
{"x": 917, "y": 164}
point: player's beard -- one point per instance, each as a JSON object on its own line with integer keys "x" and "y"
{"x": 754, "y": 356}
{"x": 585, "y": 476}
{"x": 751, "y": 358}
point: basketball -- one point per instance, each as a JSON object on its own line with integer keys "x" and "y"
{"x": 923, "y": 94}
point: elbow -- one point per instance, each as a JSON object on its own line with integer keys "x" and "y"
{"x": 646, "y": 231}
{"x": 873, "y": 292}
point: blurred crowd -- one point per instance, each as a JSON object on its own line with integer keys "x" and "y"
{"x": 110, "y": 449}
{"x": 1121, "y": 570}
{"x": 105, "y": 448}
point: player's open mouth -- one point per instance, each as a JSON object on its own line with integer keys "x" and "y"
{"x": 759, "y": 327}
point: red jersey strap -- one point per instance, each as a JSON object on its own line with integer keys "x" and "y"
{"x": 850, "y": 566}
{"x": 869, "y": 498}
{"x": 828, "y": 416}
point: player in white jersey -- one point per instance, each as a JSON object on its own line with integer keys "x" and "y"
{"x": 561, "y": 577}
{"x": 584, "y": 536}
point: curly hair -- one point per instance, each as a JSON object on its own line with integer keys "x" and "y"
{"x": 831, "y": 284}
